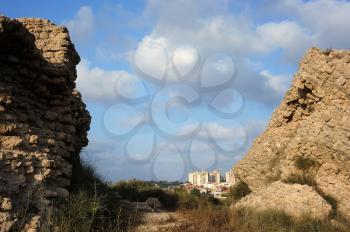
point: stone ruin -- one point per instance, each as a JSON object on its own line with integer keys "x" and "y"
{"x": 301, "y": 163}
{"x": 43, "y": 121}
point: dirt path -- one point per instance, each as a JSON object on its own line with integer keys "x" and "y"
{"x": 163, "y": 221}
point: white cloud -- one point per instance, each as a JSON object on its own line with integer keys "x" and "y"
{"x": 151, "y": 58}
{"x": 101, "y": 85}
{"x": 222, "y": 132}
{"x": 217, "y": 31}
{"x": 217, "y": 131}
{"x": 230, "y": 33}
{"x": 311, "y": 23}
{"x": 288, "y": 35}
{"x": 279, "y": 83}
{"x": 328, "y": 20}
{"x": 82, "y": 25}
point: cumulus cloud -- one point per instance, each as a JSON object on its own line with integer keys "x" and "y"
{"x": 328, "y": 20}
{"x": 312, "y": 23}
{"x": 220, "y": 131}
{"x": 234, "y": 35}
{"x": 279, "y": 83}
{"x": 104, "y": 85}
{"x": 82, "y": 25}
{"x": 287, "y": 35}
{"x": 228, "y": 132}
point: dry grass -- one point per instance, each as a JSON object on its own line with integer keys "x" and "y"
{"x": 226, "y": 220}
{"x": 303, "y": 179}
{"x": 83, "y": 213}
{"x": 92, "y": 206}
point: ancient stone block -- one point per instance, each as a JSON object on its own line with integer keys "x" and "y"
{"x": 38, "y": 104}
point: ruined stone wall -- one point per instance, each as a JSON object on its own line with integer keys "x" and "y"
{"x": 306, "y": 143}
{"x": 43, "y": 122}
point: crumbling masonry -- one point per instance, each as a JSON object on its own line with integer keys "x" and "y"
{"x": 43, "y": 122}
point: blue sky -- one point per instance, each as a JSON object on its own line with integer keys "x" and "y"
{"x": 175, "y": 86}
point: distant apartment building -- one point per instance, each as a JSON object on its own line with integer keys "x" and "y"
{"x": 198, "y": 178}
{"x": 201, "y": 178}
{"x": 214, "y": 177}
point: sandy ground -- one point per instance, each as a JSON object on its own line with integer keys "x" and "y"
{"x": 163, "y": 221}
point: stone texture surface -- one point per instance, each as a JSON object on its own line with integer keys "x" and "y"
{"x": 309, "y": 133}
{"x": 294, "y": 199}
{"x": 43, "y": 122}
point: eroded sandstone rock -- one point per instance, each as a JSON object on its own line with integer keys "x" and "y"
{"x": 43, "y": 122}
{"x": 308, "y": 138}
{"x": 294, "y": 199}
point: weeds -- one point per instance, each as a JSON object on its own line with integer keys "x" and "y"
{"x": 92, "y": 206}
{"x": 302, "y": 179}
{"x": 305, "y": 163}
{"x": 96, "y": 206}
{"x": 139, "y": 191}
{"x": 327, "y": 51}
{"x": 83, "y": 213}
{"x": 239, "y": 191}
{"x": 225, "y": 220}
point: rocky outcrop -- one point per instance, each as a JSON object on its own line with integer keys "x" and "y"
{"x": 294, "y": 199}
{"x": 43, "y": 122}
{"x": 308, "y": 138}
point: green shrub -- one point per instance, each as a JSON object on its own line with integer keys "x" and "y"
{"x": 194, "y": 200}
{"x": 139, "y": 191}
{"x": 195, "y": 193}
{"x": 239, "y": 190}
{"x": 305, "y": 163}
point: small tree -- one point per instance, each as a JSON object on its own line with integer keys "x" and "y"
{"x": 195, "y": 192}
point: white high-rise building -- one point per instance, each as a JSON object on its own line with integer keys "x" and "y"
{"x": 201, "y": 178}
{"x": 198, "y": 178}
{"x": 214, "y": 177}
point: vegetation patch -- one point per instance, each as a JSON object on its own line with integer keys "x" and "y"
{"x": 327, "y": 51}
{"x": 302, "y": 179}
{"x": 305, "y": 163}
{"x": 238, "y": 191}
{"x": 246, "y": 220}
{"x": 96, "y": 206}
{"x": 140, "y": 191}
{"x": 91, "y": 206}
